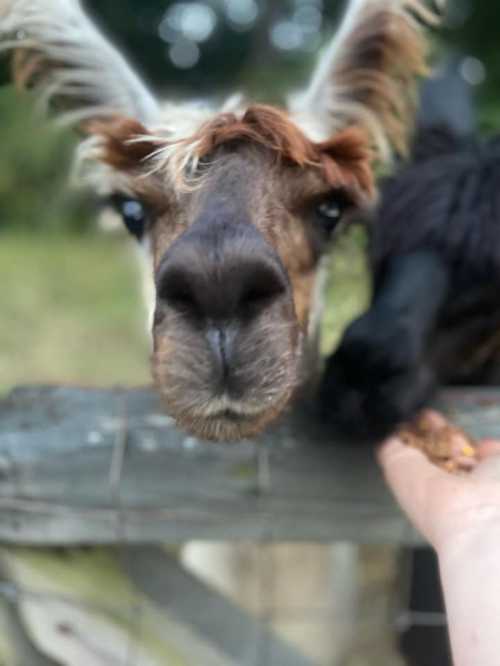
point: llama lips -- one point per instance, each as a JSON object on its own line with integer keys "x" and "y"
{"x": 225, "y": 407}
{"x": 231, "y": 416}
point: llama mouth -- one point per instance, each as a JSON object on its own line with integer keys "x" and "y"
{"x": 226, "y": 420}
{"x": 226, "y": 408}
{"x": 232, "y": 415}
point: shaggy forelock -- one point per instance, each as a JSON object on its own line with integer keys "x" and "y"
{"x": 126, "y": 145}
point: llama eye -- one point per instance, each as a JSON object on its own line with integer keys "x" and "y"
{"x": 133, "y": 213}
{"x": 329, "y": 213}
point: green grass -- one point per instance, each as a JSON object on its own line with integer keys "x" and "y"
{"x": 348, "y": 289}
{"x": 72, "y": 312}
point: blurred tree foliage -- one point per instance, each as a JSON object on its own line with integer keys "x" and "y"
{"x": 473, "y": 30}
{"x": 34, "y": 164}
{"x": 258, "y": 56}
{"x": 231, "y": 56}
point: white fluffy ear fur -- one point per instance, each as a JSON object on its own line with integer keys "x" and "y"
{"x": 60, "y": 53}
{"x": 367, "y": 75}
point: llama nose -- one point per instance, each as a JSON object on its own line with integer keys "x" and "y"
{"x": 217, "y": 287}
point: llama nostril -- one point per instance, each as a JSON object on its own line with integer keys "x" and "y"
{"x": 182, "y": 300}
{"x": 255, "y": 297}
{"x": 216, "y": 279}
{"x": 175, "y": 290}
{"x": 260, "y": 288}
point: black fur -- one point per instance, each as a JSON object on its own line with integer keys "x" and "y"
{"x": 435, "y": 313}
{"x": 379, "y": 374}
{"x": 448, "y": 201}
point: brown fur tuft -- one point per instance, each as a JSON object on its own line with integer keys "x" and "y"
{"x": 344, "y": 160}
{"x": 367, "y": 77}
{"x": 119, "y": 148}
{"x": 386, "y": 53}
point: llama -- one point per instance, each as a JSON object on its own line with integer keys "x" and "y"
{"x": 234, "y": 207}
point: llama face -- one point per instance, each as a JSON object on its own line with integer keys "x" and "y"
{"x": 236, "y": 206}
{"x": 227, "y": 334}
{"x": 236, "y": 228}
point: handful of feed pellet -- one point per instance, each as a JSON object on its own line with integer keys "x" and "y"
{"x": 444, "y": 444}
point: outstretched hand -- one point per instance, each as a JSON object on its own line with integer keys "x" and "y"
{"x": 460, "y": 515}
{"x": 445, "y": 508}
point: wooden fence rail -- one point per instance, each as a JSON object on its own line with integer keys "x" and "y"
{"x": 108, "y": 466}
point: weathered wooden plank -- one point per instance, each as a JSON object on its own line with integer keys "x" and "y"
{"x": 106, "y": 466}
{"x": 210, "y": 616}
{"x": 79, "y": 607}
{"x": 21, "y": 649}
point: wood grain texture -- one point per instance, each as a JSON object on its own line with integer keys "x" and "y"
{"x": 127, "y": 605}
{"x": 108, "y": 466}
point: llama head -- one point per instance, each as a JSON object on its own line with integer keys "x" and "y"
{"x": 235, "y": 206}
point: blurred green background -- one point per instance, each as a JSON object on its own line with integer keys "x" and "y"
{"x": 69, "y": 291}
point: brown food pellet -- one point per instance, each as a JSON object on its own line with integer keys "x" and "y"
{"x": 445, "y": 445}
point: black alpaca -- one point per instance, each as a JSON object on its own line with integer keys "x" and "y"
{"x": 435, "y": 312}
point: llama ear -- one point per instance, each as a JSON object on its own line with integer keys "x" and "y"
{"x": 63, "y": 56}
{"x": 367, "y": 75}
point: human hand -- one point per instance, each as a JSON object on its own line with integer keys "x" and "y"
{"x": 460, "y": 515}
{"x": 445, "y": 508}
